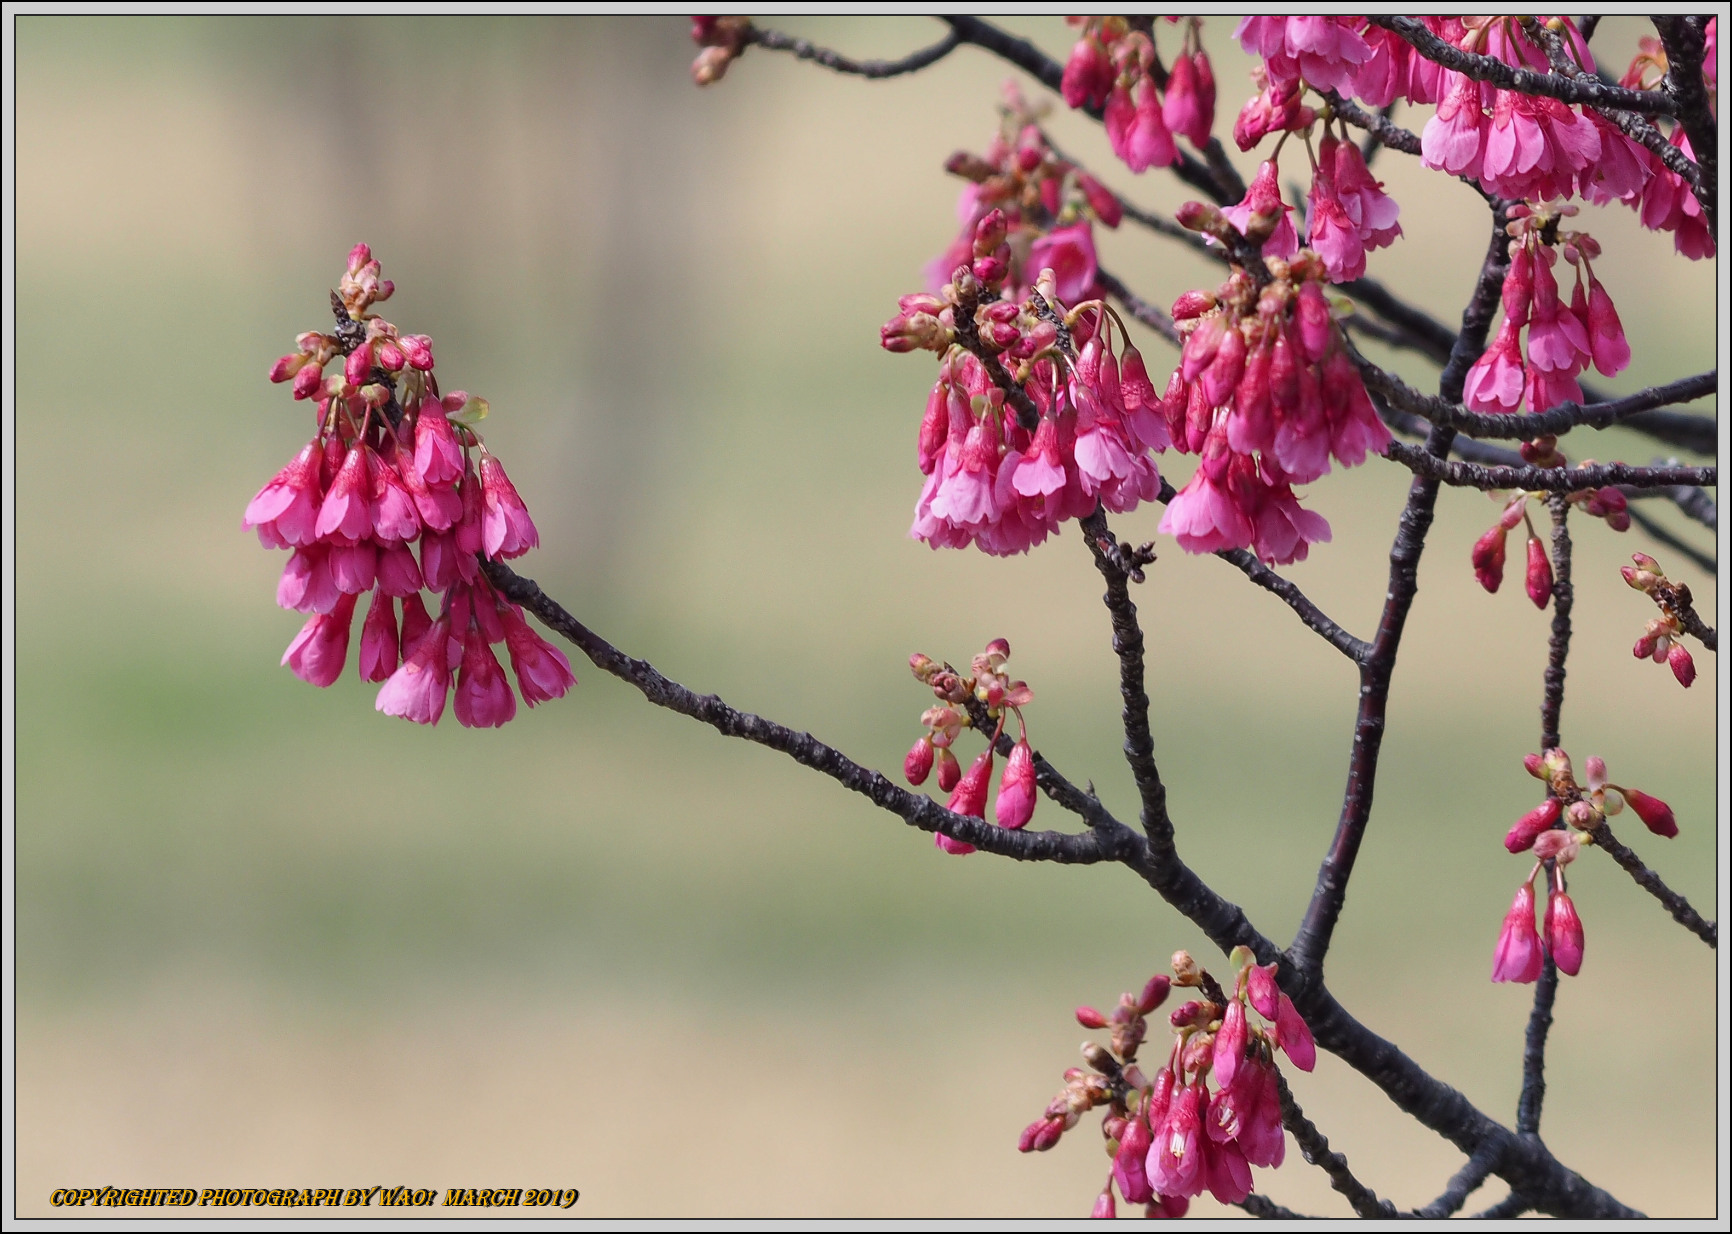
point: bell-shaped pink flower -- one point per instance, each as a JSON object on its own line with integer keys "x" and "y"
{"x": 1130, "y": 1163}
{"x": 1330, "y": 231}
{"x": 378, "y": 658}
{"x": 507, "y": 530}
{"x": 317, "y": 653}
{"x": 354, "y": 567}
{"x": 1226, "y": 1173}
{"x": 395, "y": 519}
{"x": 417, "y": 690}
{"x": 1605, "y": 332}
{"x": 1189, "y": 109}
{"x": 1564, "y": 933}
{"x": 1682, "y": 666}
{"x": 1374, "y": 212}
{"x": 1016, "y": 791}
{"x": 1518, "y": 956}
{"x": 1088, "y": 74}
{"x": 398, "y": 575}
{"x": 306, "y": 584}
{"x": 438, "y": 457}
{"x": 1453, "y": 140}
{"x": 1497, "y": 379}
{"x": 484, "y": 698}
{"x": 416, "y": 623}
{"x": 1175, "y": 1163}
{"x": 1263, "y": 196}
{"x": 542, "y": 670}
{"x": 347, "y": 515}
{"x": 286, "y": 510}
{"x": 1230, "y": 1043}
{"x": 1293, "y": 1035}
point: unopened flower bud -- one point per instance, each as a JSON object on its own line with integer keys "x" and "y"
{"x": 922, "y": 666}
{"x": 1199, "y": 216}
{"x": 1154, "y": 993}
{"x": 918, "y": 764}
{"x": 989, "y": 233}
{"x": 1196, "y": 1013}
{"x": 1539, "y": 576}
{"x": 1655, "y": 814}
{"x": 1559, "y": 846}
{"x": 1192, "y": 304}
{"x": 949, "y": 770}
{"x": 1683, "y": 667}
{"x": 1088, "y": 1017}
{"x": 1582, "y": 815}
{"x": 1096, "y": 1055}
{"x": 1557, "y": 764}
{"x": 1488, "y": 557}
{"x": 1527, "y": 828}
{"x": 1535, "y": 765}
{"x": 1594, "y": 771}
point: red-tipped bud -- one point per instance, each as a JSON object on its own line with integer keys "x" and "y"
{"x": 1088, "y": 1017}
{"x": 1154, "y": 993}
{"x": 1528, "y": 827}
{"x": 1518, "y": 956}
{"x": 1539, "y": 579}
{"x": 1041, "y": 1135}
{"x": 1195, "y": 1012}
{"x": 918, "y": 765}
{"x": 1488, "y": 553}
{"x": 1261, "y": 989}
{"x": 1105, "y": 1207}
{"x": 915, "y": 332}
{"x": 1293, "y": 1035}
{"x": 922, "y": 666}
{"x": 1564, "y": 933}
{"x": 1200, "y": 216}
{"x": 1683, "y": 667}
{"x": 1562, "y": 847}
{"x": 1653, "y": 812}
{"x": 1230, "y": 1043}
{"x": 1536, "y": 766}
{"x": 1644, "y": 648}
{"x": 1594, "y": 772}
{"x": 1192, "y": 304}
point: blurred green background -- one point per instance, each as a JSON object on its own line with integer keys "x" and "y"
{"x": 267, "y": 937}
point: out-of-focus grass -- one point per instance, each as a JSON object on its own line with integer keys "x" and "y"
{"x": 607, "y": 932}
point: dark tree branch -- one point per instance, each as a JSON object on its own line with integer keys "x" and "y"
{"x": 1315, "y": 1145}
{"x": 1430, "y": 337}
{"x": 1589, "y": 91}
{"x": 1317, "y": 928}
{"x": 1684, "y": 429}
{"x": 1465, "y": 1182}
{"x": 1260, "y": 1206}
{"x": 1128, "y": 647}
{"x": 1355, "y": 649}
{"x": 1434, "y": 1104}
{"x": 1587, "y": 25}
{"x": 1633, "y": 125}
{"x": 1525, "y": 427}
{"x": 1690, "y": 499}
{"x": 1050, "y": 73}
{"x": 916, "y": 810}
{"x": 1377, "y": 126}
{"x": 775, "y": 40}
{"x": 1665, "y": 537}
{"x": 1685, "y": 49}
{"x": 1677, "y": 905}
{"x": 1512, "y": 1205}
{"x": 1533, "y": 1093}
{"x": 1545, "y": 479}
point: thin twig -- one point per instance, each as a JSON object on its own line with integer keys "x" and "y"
{"x": 1545, "y": 479}
{"x": 1691, "y": 500}
{"x": 1677, "y": 905}
{"x": 1533, "y": 1092}
{"x": 1355, "y": 649}
{"x": 1465, "y": 1182}
{"x": 1128, "y": 647}
{"x": 775, "y": 40}
{"x": 1590, "y": 91}
{"x": 1377, "y": 125}
{"x": 1315, "y": 1145}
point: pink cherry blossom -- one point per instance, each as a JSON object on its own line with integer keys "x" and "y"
{"x": 418, "y": 689}
{"x": 483, "y": 698}
{"x": 970, "y": 799}
{"x": 1564, "y": 933}
{"x": 1263, "y": 196}
{"x": 378, "y": 658}
{"x": 1518, "y": 956}
{"x": 286, "y": 510}
{"x": 542, "y": 670}
{"x": 317, "y": 653}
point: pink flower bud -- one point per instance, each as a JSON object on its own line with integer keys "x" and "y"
{"x": 1154, "y": 993}
{"x": 1562, "y": 847}
{"x": 1518, "y": 956}
{"x": 1040, "y": 1135}
{"x": 1539, "y": 578}
{"x": 918, "y": 764}
{"x": 1653, "y": 812}
{"x": 1088, "y": 1017}
{"x": 1130, "y": 1163}
{"x": 1536, "y": 766}
{"x": 989, "y": 233}
{"x": 1644, "y": 648}
{"x": 1564, "y": 933}
{"x": 1015, "y": 804}
{"x": 1230, "y": 1044}
{"x": 1192, "y": 304}
{"x": 1293, "y": 1035}
{"x": 1488, "y": 555}
{"x": 949, "y": 770}
{"x": 1261, "y": 989}
{"x": 1104, "y": 1208}
{"x": 1528, "y": 827}
{"x": 1683, "y": 667}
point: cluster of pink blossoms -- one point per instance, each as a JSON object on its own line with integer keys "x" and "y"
{"x": 990, "y": 480}
{"x": 1266, "y": 393}
{"x": 1520, "y": 953}
{"x": 1116, "y": 68}
{"x": 393, "y": 462}
{"x": 1663, "y": 639}
{"x": 1173, "y": 1137}
{"x": 1047, "y": 206}
{"x": 1349, "y": 214}
{"x": 1561, "y": 339}
{"x": 993, "y": 689}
